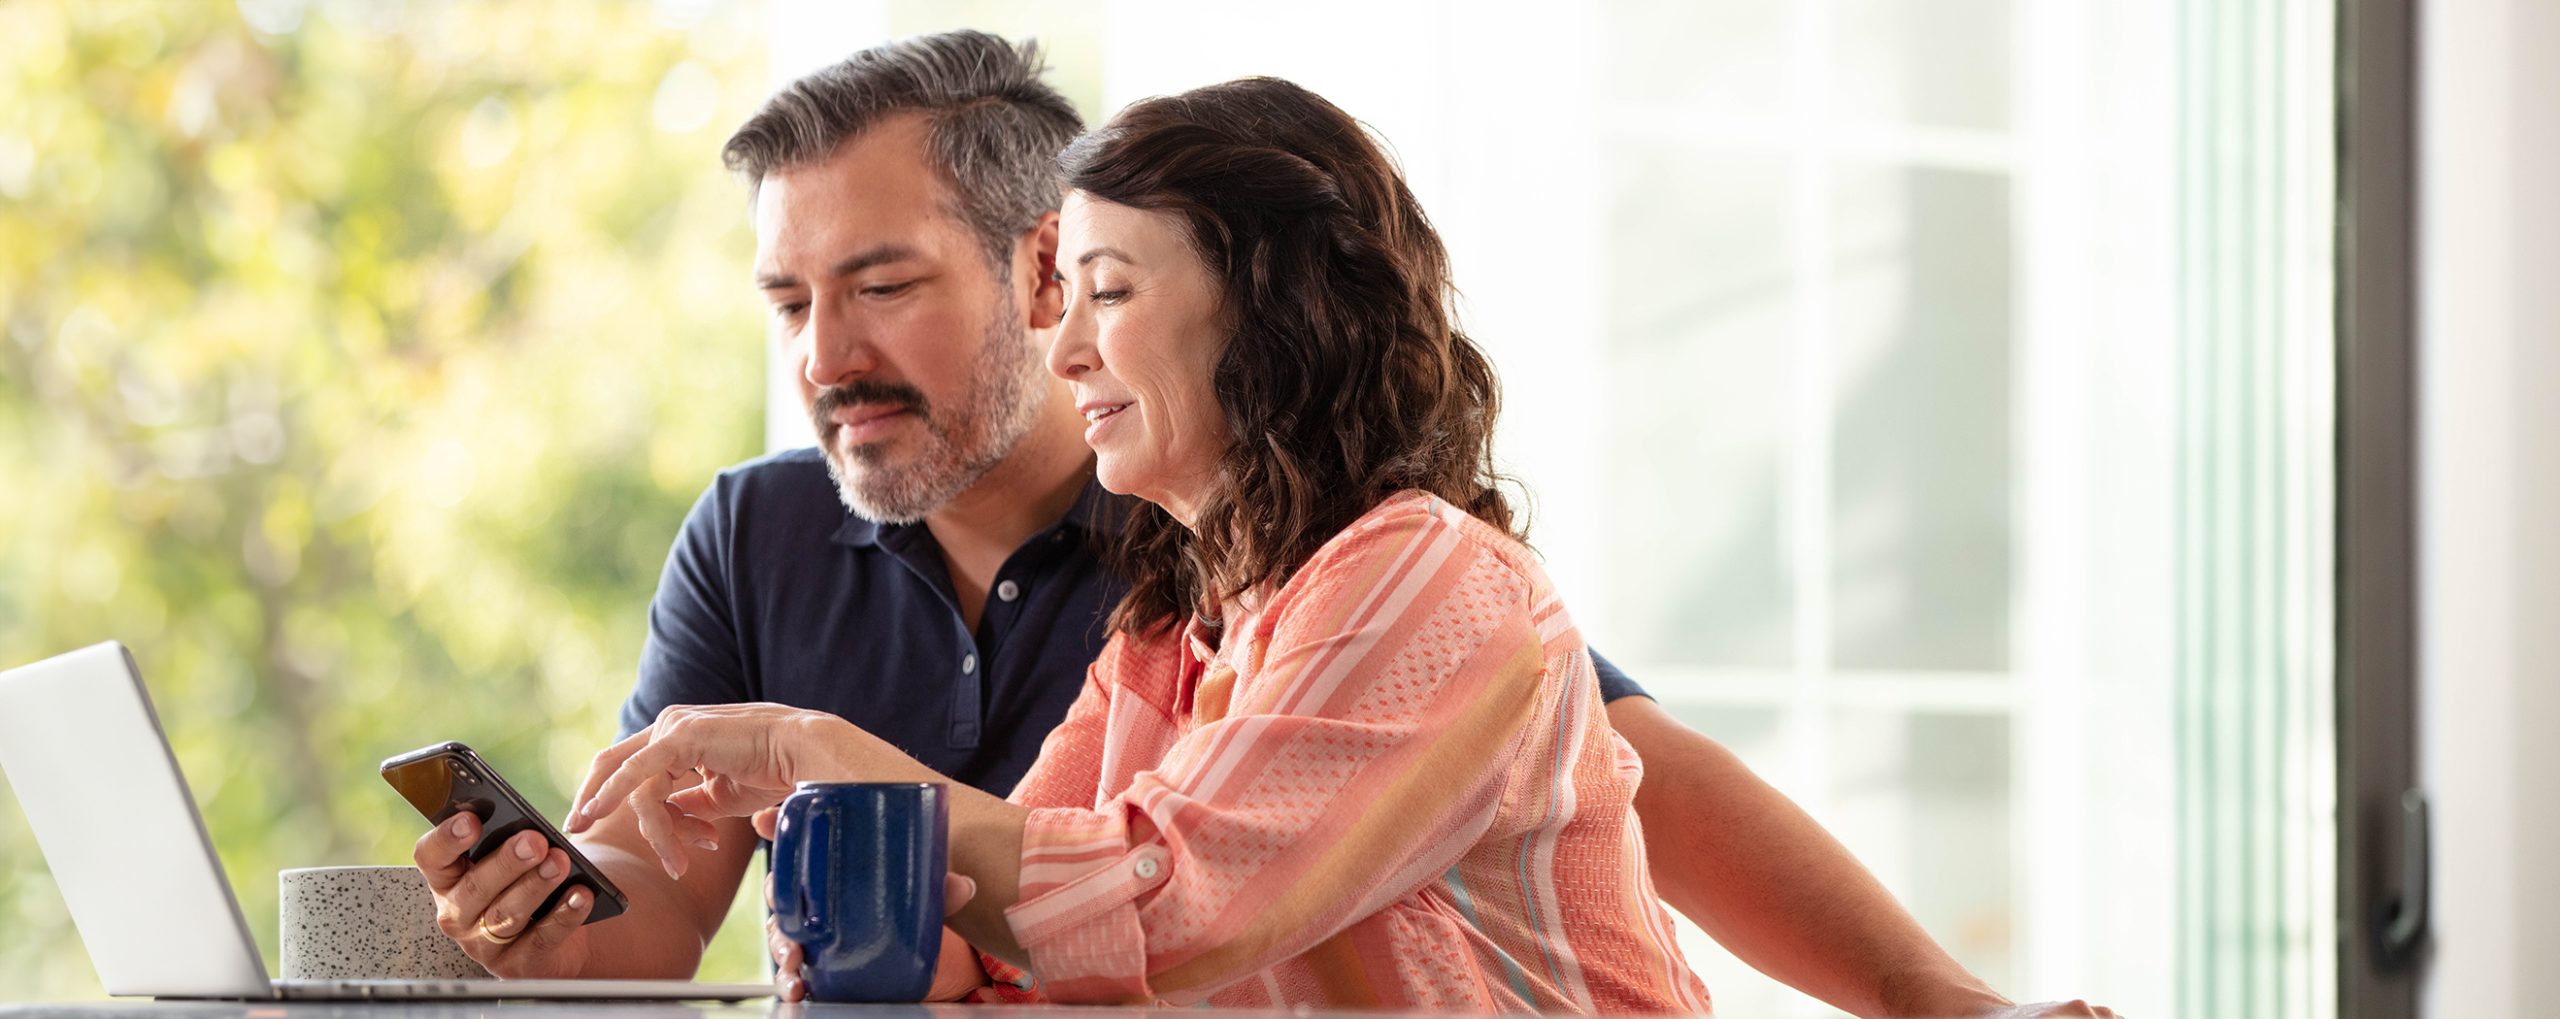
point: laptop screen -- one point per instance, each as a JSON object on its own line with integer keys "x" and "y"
{"x": 82, "y": 749}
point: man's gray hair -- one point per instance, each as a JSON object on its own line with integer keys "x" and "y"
{"x": 994, "y": 127}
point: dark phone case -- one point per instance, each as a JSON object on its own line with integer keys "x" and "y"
{"x": 448, "y": 778}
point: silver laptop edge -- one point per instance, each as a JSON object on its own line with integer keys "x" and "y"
{"x": 498, "y": 990}
{"x": 82, "y": 746}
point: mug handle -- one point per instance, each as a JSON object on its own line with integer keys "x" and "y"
{"x": 800, "y": 890}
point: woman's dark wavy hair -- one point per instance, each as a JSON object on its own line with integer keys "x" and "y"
{"x": 1345, "y": 378}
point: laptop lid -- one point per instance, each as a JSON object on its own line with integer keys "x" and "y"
{"x": 82, "y": 748}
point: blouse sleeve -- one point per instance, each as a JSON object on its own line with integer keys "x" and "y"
{"x": 1363, "y": 756}
{"x": 1066, "y": 772}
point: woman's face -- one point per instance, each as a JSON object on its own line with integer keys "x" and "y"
{"x": 1142, "y": 333}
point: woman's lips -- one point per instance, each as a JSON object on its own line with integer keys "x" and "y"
{"x": 1098, "y": 417}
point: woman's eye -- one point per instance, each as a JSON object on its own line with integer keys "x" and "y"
{"x": 1108, "y": 296}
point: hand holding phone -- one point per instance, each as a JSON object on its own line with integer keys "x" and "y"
{"x": 447, "y": 779}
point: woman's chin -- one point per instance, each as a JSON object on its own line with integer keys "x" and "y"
{"x": 1131, "y": 483}
{"x": 1116, "y": 477}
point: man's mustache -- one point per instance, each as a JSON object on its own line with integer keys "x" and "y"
{"x": 866, "y": 392}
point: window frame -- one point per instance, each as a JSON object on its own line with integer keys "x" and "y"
{"x": 2376, "y": 559}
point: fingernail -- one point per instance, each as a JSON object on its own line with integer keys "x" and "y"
{"x": 525, "y": 849}
{"x": 706, "y": 845}
{"x": 550, "y": 869}
{"x": 461, "y": 827}
{"x": 576, "y": 898}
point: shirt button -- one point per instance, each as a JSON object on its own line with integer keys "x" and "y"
{"x": 1147, "y": 870}
{"x": 1008, "y": 591}
{"x": 969, "y": 664}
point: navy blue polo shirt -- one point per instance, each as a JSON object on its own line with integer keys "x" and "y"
{"x": 774, "y": 591}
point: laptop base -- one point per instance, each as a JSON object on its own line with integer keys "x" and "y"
{"x": 499, "y": 990}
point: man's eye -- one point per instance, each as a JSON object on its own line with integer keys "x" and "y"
{"x": 887, "y": 289}
{"x": 790, "y": 309}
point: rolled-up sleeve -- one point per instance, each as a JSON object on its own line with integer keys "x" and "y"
{"x": 1078, "y": 913}
{"x": 1364, "y": 749}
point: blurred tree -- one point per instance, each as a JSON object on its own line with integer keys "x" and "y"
{"x": 357, "y": 363}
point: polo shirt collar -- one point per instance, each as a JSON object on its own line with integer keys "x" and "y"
{"x": 858, "y": 531}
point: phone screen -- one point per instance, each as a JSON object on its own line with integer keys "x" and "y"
{"x": 448, "y": 779}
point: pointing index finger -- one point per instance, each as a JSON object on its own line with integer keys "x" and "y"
{"x": 607, "y": 762}
{"x": 653, "y": 761}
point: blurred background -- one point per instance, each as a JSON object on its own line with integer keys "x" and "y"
{"x": 361, "y": 361}
{"x": 1926, "y": 398}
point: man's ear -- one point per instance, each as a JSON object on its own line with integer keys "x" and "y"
{"x": 1048, "y": 296}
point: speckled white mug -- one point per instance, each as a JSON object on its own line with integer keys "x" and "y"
{"x": 364, "y": 923}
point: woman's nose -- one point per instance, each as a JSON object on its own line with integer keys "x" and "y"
{"x": 1072, "y": 353}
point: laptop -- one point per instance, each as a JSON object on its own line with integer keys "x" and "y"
{"x": 82, "y": 747}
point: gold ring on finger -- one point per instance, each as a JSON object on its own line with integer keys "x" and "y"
{"x": 496, "y": 938}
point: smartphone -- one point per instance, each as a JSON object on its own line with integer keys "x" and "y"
{"x": 448, "y": 779}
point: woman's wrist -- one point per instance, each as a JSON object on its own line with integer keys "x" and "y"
{"x": 822, "y": 749}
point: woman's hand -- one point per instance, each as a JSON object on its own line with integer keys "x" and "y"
{"x": 749, "y": 756}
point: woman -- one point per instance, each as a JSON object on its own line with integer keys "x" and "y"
{"x": 1345, "y": 748}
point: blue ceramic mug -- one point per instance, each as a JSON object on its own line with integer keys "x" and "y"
{"x": 857, "y": 881}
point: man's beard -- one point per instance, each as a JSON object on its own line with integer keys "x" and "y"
{"x": 961, "y": 443}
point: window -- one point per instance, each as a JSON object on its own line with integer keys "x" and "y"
{"x": 1929, "y": 400}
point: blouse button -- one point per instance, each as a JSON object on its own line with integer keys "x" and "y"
{"x": 1008, "y": 591}
{"x": 1147, "y": 870}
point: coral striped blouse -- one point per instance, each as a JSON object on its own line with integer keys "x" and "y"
{"x": 1393, "y": 786}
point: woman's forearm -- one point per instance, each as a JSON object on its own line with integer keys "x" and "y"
{"x": 1760, "y": 875}
{"x": 986, "y": 845}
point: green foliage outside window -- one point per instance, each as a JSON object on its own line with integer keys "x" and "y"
{"x": 357, "y": 364}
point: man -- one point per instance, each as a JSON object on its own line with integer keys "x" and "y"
{"x": 932, "y": 572}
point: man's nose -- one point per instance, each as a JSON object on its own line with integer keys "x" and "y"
{"x": 839, "y": 351}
